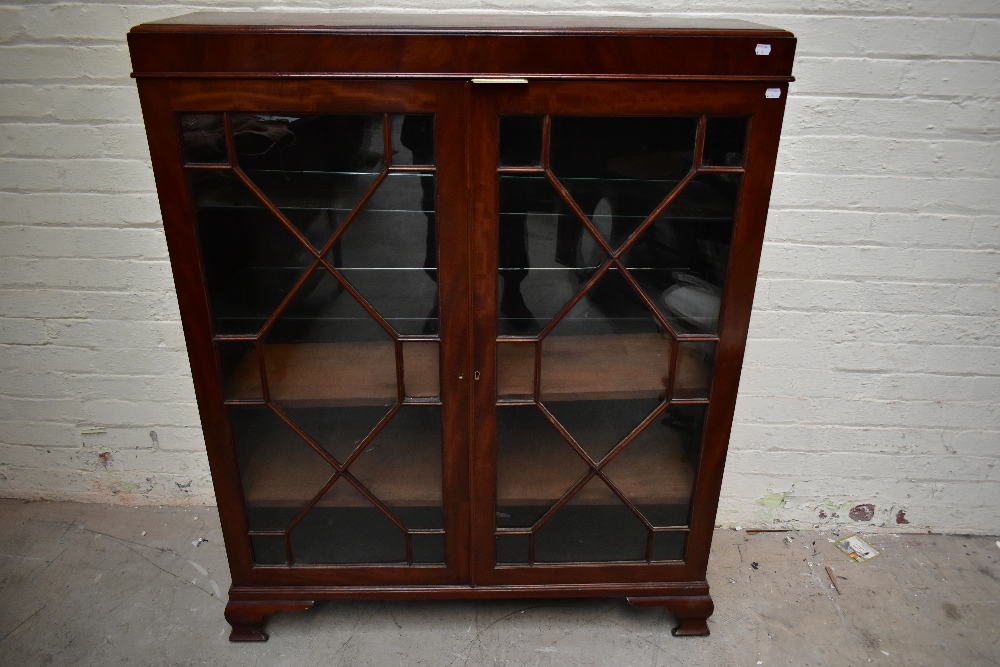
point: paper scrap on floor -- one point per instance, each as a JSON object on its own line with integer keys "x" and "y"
{"x": 857, "y": 549}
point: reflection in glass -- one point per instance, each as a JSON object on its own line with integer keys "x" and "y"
{"x": 521, "y": 141}
{"x": 412, "y": 139}
{"x": 535, "y": 281}
{"x": 725, "y": 139}
{"x": 251, "y": 261}
{"x": 632, "y": 162}
{"x": 682, "y": 258}
{"x": 325, "y": 349}
{"x": 389, "y": 253}
{"x": 343, "y": 527}
{"x": 609, "y": 364}
{"x": 279, "y": 471}
{"x": 315, "y": 169}
{"x": 594, "y": 526}
{"x": 535, "y": 466}
{"x": 656, "y": 470}
{"x": 203, "y": 138}
{"x": 240, "y": 370}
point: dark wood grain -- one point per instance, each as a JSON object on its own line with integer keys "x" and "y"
{"x": 381, "y": 64}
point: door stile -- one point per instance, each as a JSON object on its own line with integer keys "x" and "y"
{"x": 455, "y": 302}
{"x": 483, "y": 206}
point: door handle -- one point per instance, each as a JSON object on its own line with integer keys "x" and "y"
{"x": 500, "y": 80}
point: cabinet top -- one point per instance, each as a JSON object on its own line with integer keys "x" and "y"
{"x": 424, "y": 23}
{"x": 346, "y": 44}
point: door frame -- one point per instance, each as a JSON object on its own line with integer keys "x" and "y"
{"x": 614, "y": 98}
{"x": 162, "y": 99}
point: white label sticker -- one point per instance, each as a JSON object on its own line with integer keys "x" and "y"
{"x": 772, "y": 93}
{"x": 763, "y": 49}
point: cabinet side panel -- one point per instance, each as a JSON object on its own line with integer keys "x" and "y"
{"x": 761, "y": 156}
{"x": 165, "y": 152}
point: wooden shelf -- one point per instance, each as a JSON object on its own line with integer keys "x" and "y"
{"x": 595, "y": 368}
{"x": 574, "y": 368}
{"x": 337, "y": 374}
{"x": 283, "y": 471}
{"x": 651, "y": 470}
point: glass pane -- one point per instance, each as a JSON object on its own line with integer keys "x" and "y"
{"x": 389, "y": 253}
{"x": 402, "y": 467}
{"x": 633, "y": 162}
{"x": 594, "y": 526}
{"x": 694, "y": 370}
{"x": 535, "y": 466}
{"x": 669, "y": 546}
{"x": 413, "y": 139}
{"x": 421, "y": 369}
{"x": 724, "y": 141}
{"x": 598, "y": 426}
{"x": 515, "y": 371}
{"x": 315, "y": 169}
{"x": 545, "y": 255}
{"x": 512, "y": 548}
{"x": 608, "y": 347}
{"x": 656, "y": 470}
{"x": 682, "y": 259}
{"x": 268, "y": 550}
{"x": 326, "y": 350}
{"x": 338, "y": 430}
{"x": 280, "y": 473}
{"x": 344, "y": 527}
{"x": 251, "y": 260}
{"x": 203, "y": 138}
{"x": 521, "y": 141}
{"x": 240, "y": 370}
{"x": 428, "y": 548}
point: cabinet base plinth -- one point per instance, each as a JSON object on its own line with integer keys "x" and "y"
{"x": 692, "y": 612}
{"x": 249, "y": 616}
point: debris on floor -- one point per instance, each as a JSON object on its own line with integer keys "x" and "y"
{"x": 857, "y": 549}
{"x": 754, "y": 531}
{"x": 198, "y": 542}
{"x": 833, "y": 579}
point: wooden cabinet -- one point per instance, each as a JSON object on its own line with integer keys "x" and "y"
{"x": 465, "y": 298}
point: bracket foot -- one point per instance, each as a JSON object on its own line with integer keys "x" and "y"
{"x": 249, "y": 616}
{"x": 692, "y": 612}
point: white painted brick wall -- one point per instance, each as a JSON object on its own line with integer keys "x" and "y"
{"x": 873, "y": 369}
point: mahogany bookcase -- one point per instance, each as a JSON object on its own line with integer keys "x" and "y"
{"x": 465, "y": 297}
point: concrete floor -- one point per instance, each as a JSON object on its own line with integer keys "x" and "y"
{"x": 110, "y": 585}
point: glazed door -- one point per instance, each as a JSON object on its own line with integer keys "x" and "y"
{"x": 609, "y": 303}
{"x": 336, "y": 323}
